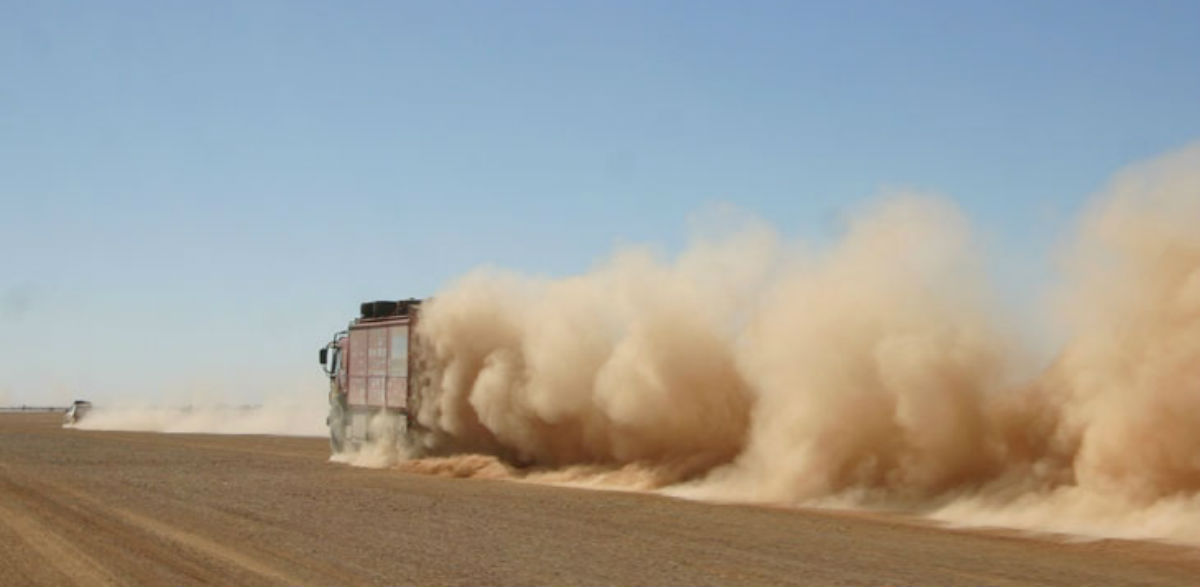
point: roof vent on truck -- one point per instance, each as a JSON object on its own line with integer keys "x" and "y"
{"x": 387, "y": 308}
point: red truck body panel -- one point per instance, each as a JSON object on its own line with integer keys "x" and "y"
{"x": 377, "y": 366}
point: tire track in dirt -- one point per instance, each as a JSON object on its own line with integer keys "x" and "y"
{"x": 57, "y": 556}
{"x": 87, "y": 540}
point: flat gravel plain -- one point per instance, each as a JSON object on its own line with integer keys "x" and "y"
{"x": 117, "y": 508}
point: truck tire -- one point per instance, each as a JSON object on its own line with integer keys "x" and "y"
{"x": 337, "y": 427}
{"x": 378, "y": 309}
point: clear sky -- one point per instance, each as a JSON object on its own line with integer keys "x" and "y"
{"x": 196, "y": 195}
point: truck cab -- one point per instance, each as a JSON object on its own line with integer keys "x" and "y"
{"x": 369, "y": 367}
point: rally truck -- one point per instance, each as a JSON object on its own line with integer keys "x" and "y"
{"x": 76, "y": 412}
{"x": 370, "y": 365}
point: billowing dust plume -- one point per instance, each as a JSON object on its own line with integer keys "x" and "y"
{"x": 1113, "y": 427}
{"x": 875, "y": 372}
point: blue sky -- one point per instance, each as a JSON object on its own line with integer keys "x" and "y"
{"x": 197, "y": 194}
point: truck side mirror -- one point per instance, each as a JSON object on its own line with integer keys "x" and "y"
{"x": 322, "y": 355}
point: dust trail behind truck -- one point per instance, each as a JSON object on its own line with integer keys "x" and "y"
{"x": 371, "y": 367}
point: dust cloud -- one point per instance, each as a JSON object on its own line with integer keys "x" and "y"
{"x": 281, "y": 416}
{"x": 875, "y": 372}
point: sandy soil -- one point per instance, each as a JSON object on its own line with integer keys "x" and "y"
{"x": 101, "y": 508}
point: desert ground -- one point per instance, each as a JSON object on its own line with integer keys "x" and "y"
{"x": 116, "y": 508}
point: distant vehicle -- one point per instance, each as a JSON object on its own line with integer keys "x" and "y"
{"x": 370, "y": 366}
{"x": 77, "y": 411}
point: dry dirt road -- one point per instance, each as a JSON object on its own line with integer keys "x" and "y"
{"x": 101, "y": 508}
